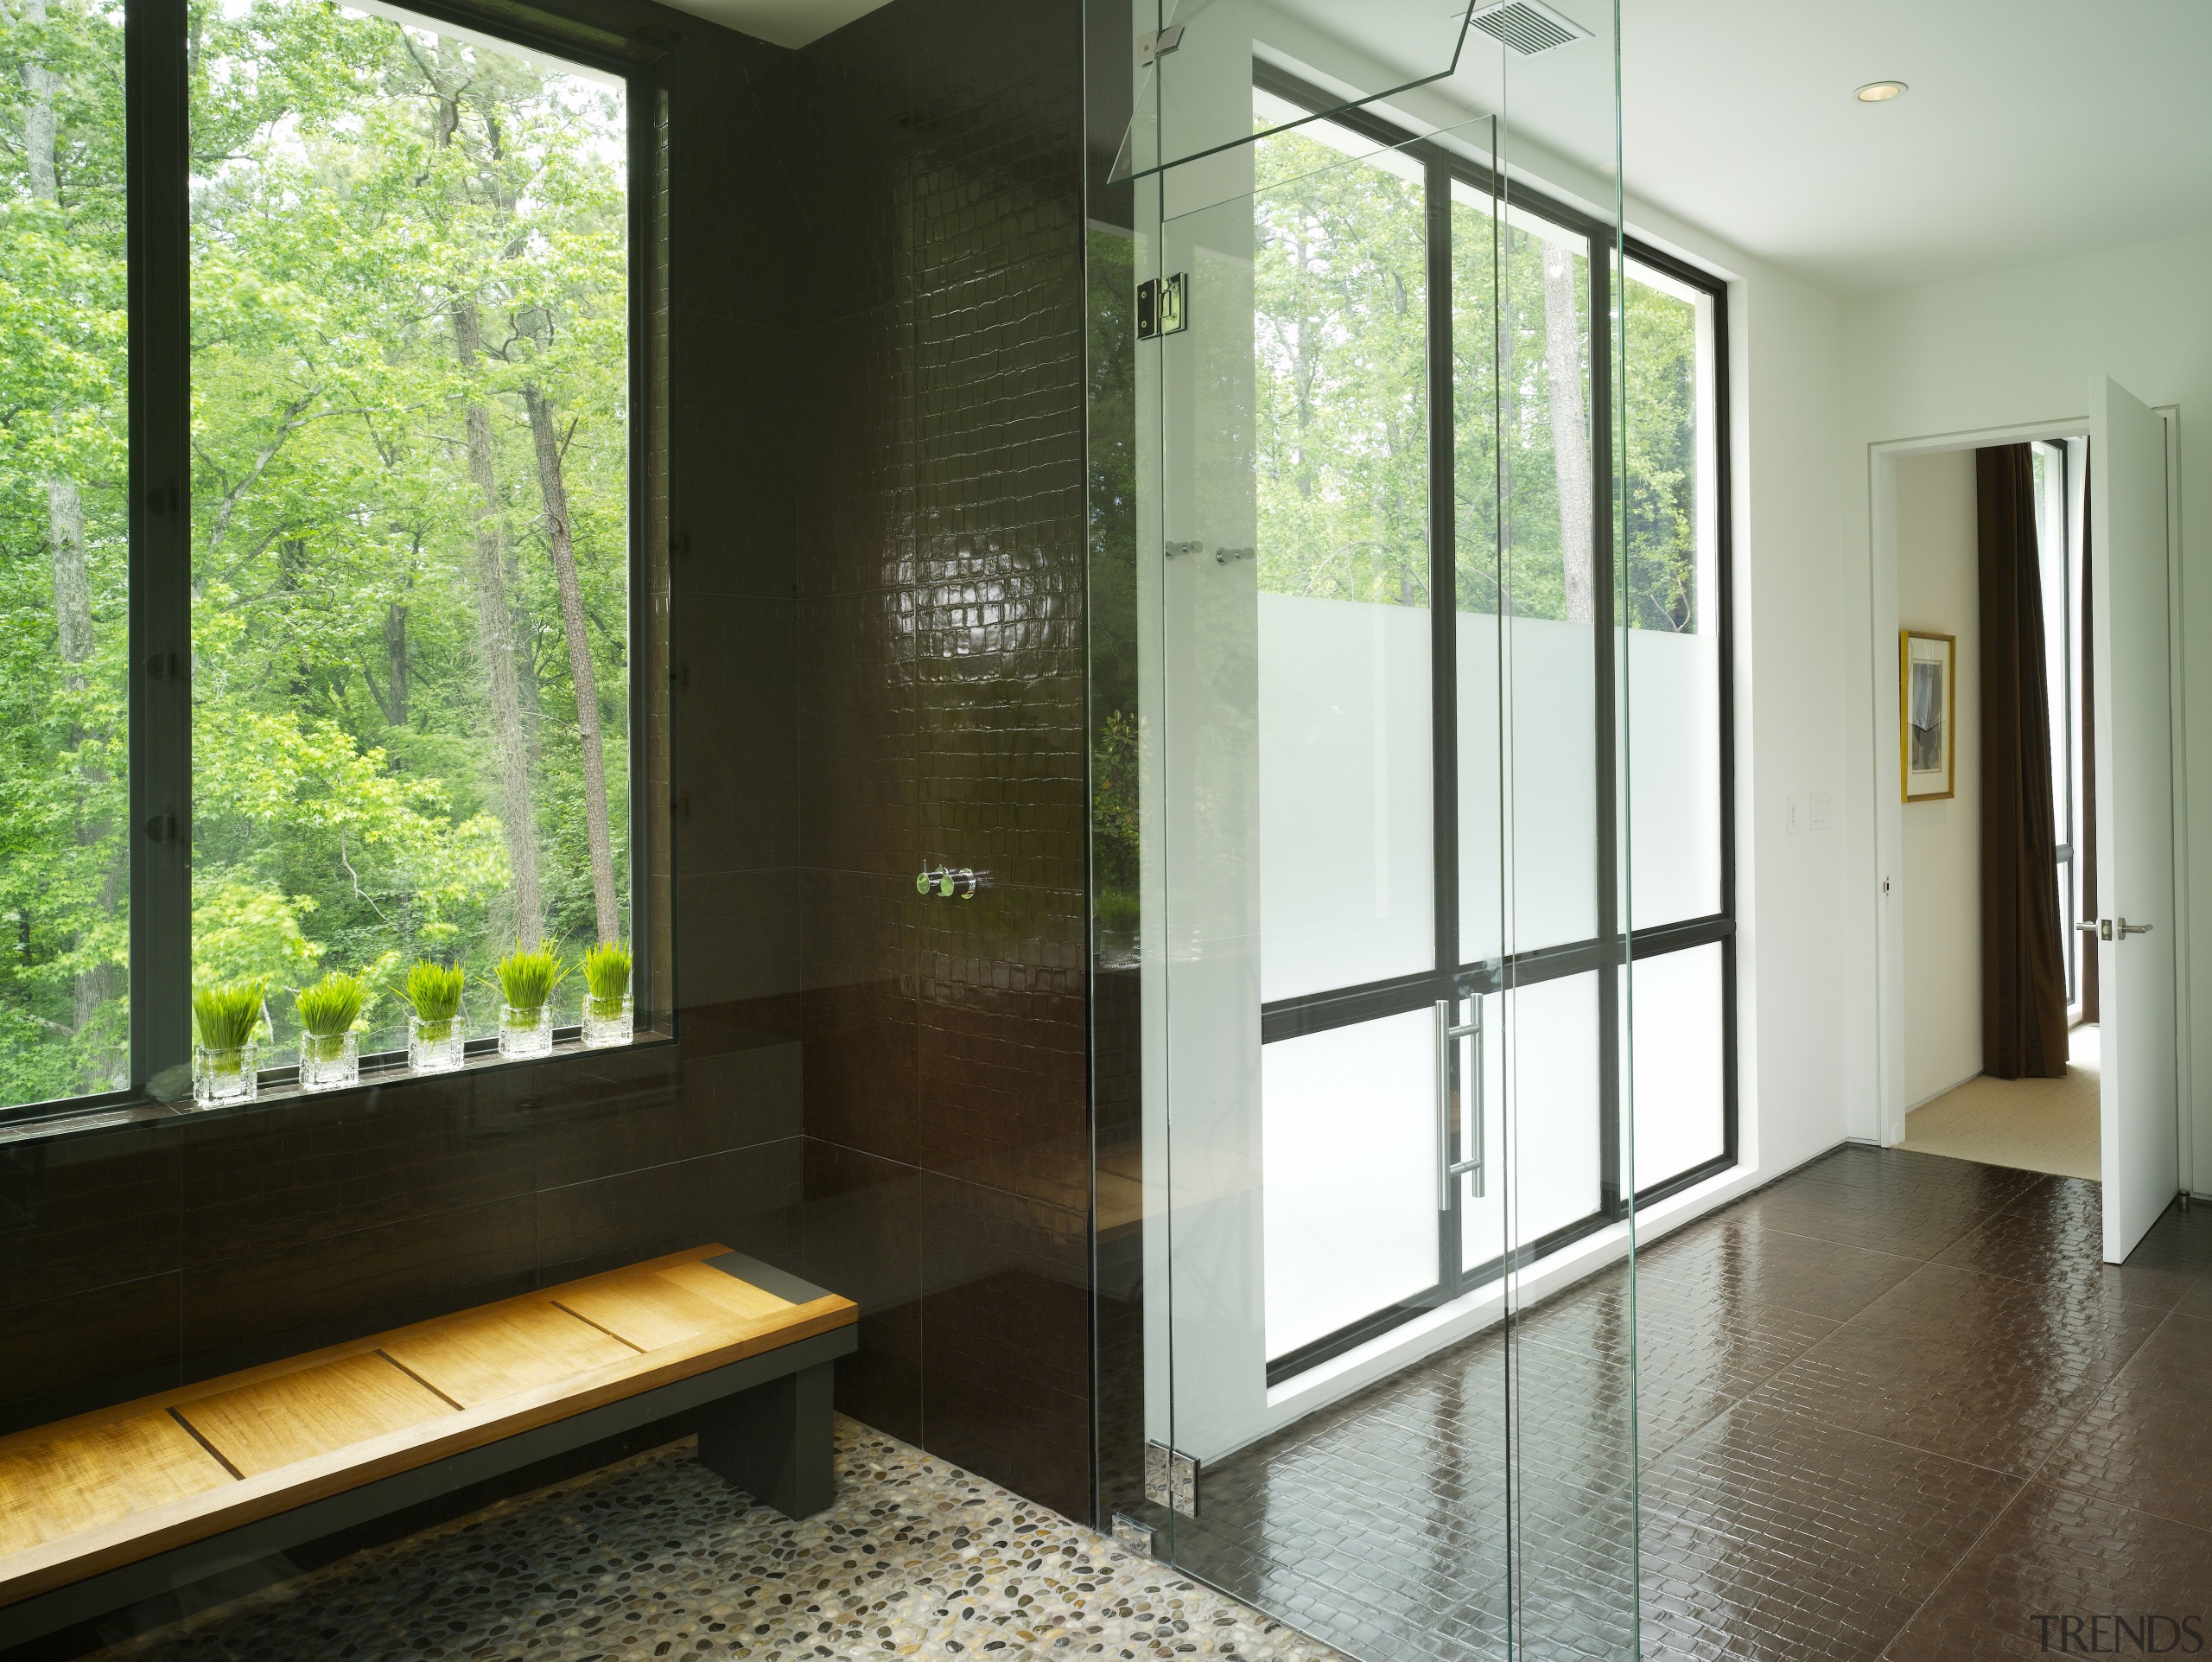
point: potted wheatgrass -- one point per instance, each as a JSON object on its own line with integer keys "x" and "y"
{"x": 330, "y": 1050}
{"x": 223, "y": 1062}
{"x": 607, "y": 1016}
{"x": 527, "y": 979}
{"x": 435, "y": 1039}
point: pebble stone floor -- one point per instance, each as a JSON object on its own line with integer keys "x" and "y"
{"x": 657, "y": 1557}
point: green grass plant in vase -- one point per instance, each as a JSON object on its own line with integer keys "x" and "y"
{"x": 225, "y": 1061}
{"x": 437, "y": 1033}
{"x": 527, "y": 979}
{"x": 607, "y": 1010}
{"x": 330, "y": 1047}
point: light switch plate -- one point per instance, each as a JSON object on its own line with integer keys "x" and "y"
{"x": 1823, "y": 811}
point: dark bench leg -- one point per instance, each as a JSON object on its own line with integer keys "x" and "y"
{"x": 773, "y": 1441}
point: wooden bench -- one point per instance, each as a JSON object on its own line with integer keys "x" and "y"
{"x": 116, "y": 1505}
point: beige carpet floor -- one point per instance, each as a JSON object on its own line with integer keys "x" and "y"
{"x": 2032, "y": 1124}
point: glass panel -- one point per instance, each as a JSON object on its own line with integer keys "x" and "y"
{"x": 1181, "y": 49}
{"x": 64, "y": 871}
{"x": 1555, "y": 1126}
{"x": 410, "y": 506}
{"x": 1669, "y": 576}
{"x": 1681, "y": 1101}
{"x": 1339, "y": 339}
{"x": 1349, "y": 1128}
{"x": 1543, "y": 583}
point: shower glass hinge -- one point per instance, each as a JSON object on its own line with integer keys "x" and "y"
{"x": 1171, "y": 1479}
{"x": 1134, "y": 1535}
{"x": 1160, "y": 306}
{"x": 1151, "y": 48}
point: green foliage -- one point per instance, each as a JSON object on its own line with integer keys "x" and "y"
{"x": 529, "y": 975}
{"x": 332, "y": 1005}
{"x": 606, "y": 970}
{"x": 1341, "y": 339}
{"x": 354, "y": 185}
{"x": 433, "y": 991}
{"x": 228, "y": 1015}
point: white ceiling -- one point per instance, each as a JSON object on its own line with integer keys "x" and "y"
{"x": 781, "y": 23}
{"x": 2034, "y": 128}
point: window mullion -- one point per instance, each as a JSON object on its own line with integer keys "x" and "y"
{"x": 157, "y": 165}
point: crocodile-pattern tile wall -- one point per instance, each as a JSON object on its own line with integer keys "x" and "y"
{"x": 938, "y": 413}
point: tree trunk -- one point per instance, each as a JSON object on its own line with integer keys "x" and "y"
{"x": 396, "y": 664}
{"x": 561, "y": 535}
{"x": 65, "y": 509}
{"x": 495, "y": 638}
{"x": 1570, "y": 439}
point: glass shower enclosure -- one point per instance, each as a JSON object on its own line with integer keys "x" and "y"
{"x": 1361, "y": 668}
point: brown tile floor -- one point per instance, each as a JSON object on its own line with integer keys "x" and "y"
{"x": 1892, "y": 1406}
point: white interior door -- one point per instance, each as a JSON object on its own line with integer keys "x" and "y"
{"x": 2135, "y": 826}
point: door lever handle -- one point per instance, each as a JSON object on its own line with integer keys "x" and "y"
{"x": 2121, "y": 928}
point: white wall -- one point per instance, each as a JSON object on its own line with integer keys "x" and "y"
{"x": 2011, "y": 349}
{"x": 1939, "y": 591}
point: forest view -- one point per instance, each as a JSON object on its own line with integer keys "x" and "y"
{"x": 1342, "y": 338}
{"x": 410, "y": 507}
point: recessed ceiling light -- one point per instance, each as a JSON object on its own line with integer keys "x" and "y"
{"x": 1879, "y": 92}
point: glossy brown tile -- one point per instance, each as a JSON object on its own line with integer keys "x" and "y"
{"x": 82, "y": 1212}
{"x": 2146, "y": 1441}
{"x": 1006, "y": 1340}
{"x": 1747, "y": 1264}
{"x": 1771, "y": 1535}
{"x": 1887, "y": 1200}
{"x": 1966, "y": 1365}
{"x": 2057, "y": 1575}
{"x": 1701, "y": 1344}
{"x": 2053, "y": 1236}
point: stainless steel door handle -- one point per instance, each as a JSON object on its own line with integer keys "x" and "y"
{"x": 1446, "y": 1036}
{"x": 2121, "y": 928}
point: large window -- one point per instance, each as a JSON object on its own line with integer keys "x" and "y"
{"x": 65, "y": 889}
{"x": 1435, "y": 386}
{"x": 397, "y": 300}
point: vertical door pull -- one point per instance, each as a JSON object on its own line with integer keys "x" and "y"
{"x": 1448, "y": 1035}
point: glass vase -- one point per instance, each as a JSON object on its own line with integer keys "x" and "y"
{"x": 329, "y": 1061}
{"x": 525, "y": 1032}
{"x": 607, "y": 1021}
{"x": 230, "y": 1074}
{"x": 435, "y": 1047}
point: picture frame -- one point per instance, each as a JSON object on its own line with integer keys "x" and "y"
{"x": 1928, "y": 703}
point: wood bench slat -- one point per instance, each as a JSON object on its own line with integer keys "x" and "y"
{"x": 504, "y": 1350}
{"x": 317, "y": 1411}
{"x": 125, "y": 1483}
{"x": 86, "y": 1476}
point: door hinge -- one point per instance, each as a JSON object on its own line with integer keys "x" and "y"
{"x": 1151, "y": 48}
{"x": 1160, "y": 307}
{"x": 1134, "y": 1535}
{"x": 1171, "y": 1479}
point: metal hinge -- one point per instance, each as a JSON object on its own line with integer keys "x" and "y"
{"x": 1151, "y": 48}
{"x": 1135, "y": 1534}
{"x": 1171, "y": 1479}
{"x": 1160, "y": 307}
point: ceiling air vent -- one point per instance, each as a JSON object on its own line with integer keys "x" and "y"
{"x": 1526, "y": 26}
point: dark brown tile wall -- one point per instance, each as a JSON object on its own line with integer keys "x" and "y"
{"x": 940, "y": 676}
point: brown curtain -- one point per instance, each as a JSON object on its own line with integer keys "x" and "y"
{"x": 2023, "y": 965}
{"x": 2085, "y": 858}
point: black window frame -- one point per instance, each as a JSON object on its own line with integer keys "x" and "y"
{"x": 157, "y": 98}
{"x": 1451, "y": 975}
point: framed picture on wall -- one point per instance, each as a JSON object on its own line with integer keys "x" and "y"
{"x": 1928, "y": 697}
